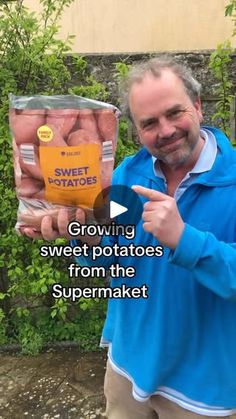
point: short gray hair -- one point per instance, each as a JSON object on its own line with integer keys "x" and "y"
{"x": 155, "y": 67}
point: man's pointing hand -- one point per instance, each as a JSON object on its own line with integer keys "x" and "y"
{"x": 161, "y": 216}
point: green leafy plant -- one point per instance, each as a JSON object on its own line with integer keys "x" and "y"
{"x": 33, "y": 62}
{"x": 121, "y": 69}
{"x": 220, "y": 61}
{"x": 30, "y": 338}
{"x": 3, "y": 326}
{"x": 126, "y": 145}
{"x": 90, "y": 87}
{"x": 230, "y": 10}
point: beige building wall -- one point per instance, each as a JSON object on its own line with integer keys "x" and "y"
{"x": 132, "y": 26}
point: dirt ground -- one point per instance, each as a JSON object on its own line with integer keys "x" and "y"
{"x": 63, "y": 384}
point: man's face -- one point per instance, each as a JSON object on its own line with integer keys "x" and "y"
{"x": 167, "y": 121}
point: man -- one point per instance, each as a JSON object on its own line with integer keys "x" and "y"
{"x": 173, "y": 354}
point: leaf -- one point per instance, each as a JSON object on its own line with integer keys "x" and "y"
{"x": 229, "y": 9}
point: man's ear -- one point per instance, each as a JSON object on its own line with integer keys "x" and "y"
{"x": 198, "y": 107}
{"x": 137, "y": 134}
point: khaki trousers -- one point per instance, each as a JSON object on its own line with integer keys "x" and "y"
{"x": 121, "y": 404}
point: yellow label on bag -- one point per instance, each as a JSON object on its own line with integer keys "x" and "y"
{"x": 45, "y": 133}
{"x": 72, "y": 174}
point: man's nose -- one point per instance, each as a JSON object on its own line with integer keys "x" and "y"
{"x": 166, "y": 129}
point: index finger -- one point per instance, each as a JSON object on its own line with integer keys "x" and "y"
{"x": 149, "y": 193}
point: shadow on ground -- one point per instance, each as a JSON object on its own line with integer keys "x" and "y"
{"x": 61, "y": 384}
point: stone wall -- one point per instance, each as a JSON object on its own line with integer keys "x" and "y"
{"x": 103, "y": 68}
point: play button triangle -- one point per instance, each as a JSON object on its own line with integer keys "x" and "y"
{"x": 116, "y": 209}
{"x": 120, "y": 204}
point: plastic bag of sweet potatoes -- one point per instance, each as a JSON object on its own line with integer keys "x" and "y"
{"x": 63, "y": 150}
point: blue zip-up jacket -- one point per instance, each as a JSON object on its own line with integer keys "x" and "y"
{"x": 183, "y": 336}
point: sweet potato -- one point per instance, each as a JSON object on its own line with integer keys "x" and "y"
{"x": 56, "y": 140}
{"x": 87, "y": 121}
{"x": 24, "y": 124}
{"x": 63, "y": 119}
{"x": 106, "y": 173}
{"x": 40, "y": 195}
{"x": 82, "y": 136}
{"x": 17, "y": 169}
{"x": 107, "y": 125}
{"x": 33, "y": 217}
{"x": 29, "y": 187}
